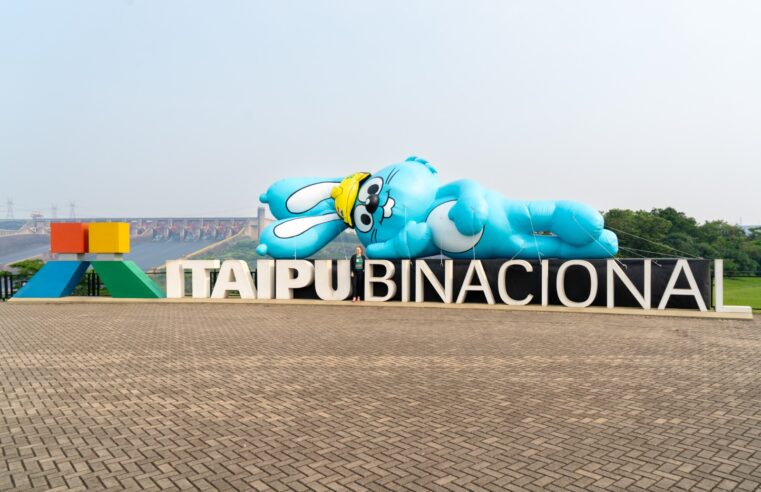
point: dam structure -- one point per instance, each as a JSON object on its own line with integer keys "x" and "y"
{"x": 154, "y": 239}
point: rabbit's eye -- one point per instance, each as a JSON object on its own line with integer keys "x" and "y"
{"x": 363, "y": 220}
{"x": 372, "y": 186}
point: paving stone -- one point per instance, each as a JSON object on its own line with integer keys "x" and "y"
{"x": 263, "y": 397}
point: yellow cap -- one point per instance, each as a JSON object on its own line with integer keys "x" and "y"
{"x": 345, "y": 194}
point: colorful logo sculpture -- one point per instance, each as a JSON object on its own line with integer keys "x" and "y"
{"x": 403, "y": 211}
{"x": 71, "y": 240}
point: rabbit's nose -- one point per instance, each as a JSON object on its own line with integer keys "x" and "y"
{"x": 372, "y": 203}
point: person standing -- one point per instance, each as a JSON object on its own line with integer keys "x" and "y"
{"x": 357, "y": 264}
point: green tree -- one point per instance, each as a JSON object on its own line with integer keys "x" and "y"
{"x": 668, "y": 232}
{"x": 640, "y": 232}
{"x": 28, "y": 267}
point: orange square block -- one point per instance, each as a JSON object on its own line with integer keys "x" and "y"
{"x": 68, "y": 237}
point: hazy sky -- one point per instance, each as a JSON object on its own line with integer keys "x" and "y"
{"x": 193, "y": 108}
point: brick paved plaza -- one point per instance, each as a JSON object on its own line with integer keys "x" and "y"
{"x": 233, "y": 396}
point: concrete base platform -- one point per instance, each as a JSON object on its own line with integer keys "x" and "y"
{"x": 678, "y": 313}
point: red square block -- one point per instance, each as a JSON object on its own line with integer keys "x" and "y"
{"x": 68, "y": 237}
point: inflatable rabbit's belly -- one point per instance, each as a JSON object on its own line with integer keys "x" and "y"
{"x": 445, "y": 235}
{"x": 494, "y": 236}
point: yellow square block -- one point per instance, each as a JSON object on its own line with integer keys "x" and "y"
{"x": 109, "y": 237}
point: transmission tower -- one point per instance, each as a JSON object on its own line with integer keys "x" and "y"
{"x": 54, "y": 211}
{"x": 72, "y": 210}
{"x": 9, "y": 209}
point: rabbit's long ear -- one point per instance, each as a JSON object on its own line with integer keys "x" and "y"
{"x": 293, "y": 197}
{"x": 299, "y": 237}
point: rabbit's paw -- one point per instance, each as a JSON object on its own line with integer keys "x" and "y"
{"x": 469, "y": 214}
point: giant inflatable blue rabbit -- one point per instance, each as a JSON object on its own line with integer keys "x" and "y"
{"x": 403, "y": 211}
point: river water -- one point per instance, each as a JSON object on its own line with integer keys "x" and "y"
{"x": 151, "y": 254}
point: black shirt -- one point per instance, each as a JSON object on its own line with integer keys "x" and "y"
{"x": 358, "y": 263}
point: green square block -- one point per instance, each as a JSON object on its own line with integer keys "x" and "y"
{"x": 124, "y": 279}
